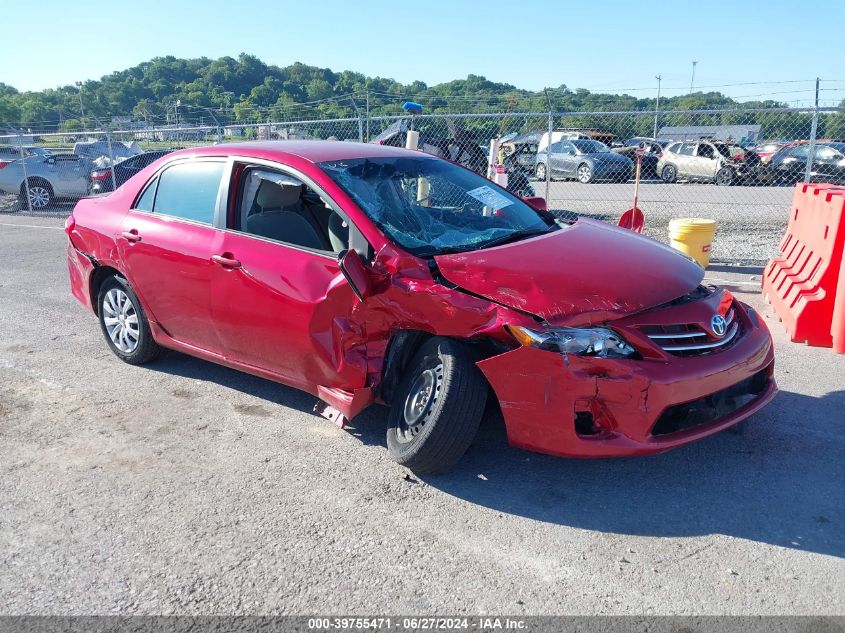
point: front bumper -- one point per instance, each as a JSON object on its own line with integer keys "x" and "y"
{"x": 545, "y": 402}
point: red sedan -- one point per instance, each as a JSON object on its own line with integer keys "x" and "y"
{"x": 365, "y": 273}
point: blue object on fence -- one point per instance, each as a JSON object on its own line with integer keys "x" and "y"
{"x": 413, "y": 108}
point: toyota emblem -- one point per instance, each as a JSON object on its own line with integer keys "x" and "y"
{"x": 718, "y": 325}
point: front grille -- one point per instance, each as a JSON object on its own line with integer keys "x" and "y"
{"x": 692, "y": 339}
{"x": 713, "y": 407}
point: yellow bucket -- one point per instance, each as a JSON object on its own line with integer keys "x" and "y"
{"x": 693, "y": 236}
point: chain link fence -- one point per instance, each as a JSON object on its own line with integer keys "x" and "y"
{"x": 733, "y": 166}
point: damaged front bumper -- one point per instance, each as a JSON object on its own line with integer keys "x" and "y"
{"x": 595, "y": 407}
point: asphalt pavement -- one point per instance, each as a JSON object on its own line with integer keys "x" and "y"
{"x": 186, "y": 488}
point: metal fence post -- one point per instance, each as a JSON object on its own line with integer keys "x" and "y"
{"x": 25, "y": 177}
{"x": 111, "y": 158}
{"x": 549, "y": 157}
{"x": 811, "y": 154}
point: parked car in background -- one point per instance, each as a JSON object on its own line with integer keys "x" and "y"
{"x": 578, "y": 134}
{"x": 766, "y": 150}
{"x": 522, "y": 152}
{"x": 583, "y": 160}
{"x": 101, "y": 179}
{"x": 319, "y": 266}
{"x": 650, "y": 148}
{"x": 50, "y": 178}
{"x": 788, "y": 166}
{"x": 707, "y": 161}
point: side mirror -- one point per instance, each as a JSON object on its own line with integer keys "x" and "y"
{"x": 355, "y": 272}
{"x": 537, "y": 203}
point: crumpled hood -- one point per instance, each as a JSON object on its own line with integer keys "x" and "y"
{"x": 584, "y": 273}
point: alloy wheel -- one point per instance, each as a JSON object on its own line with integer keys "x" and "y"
{"x": 39, "y": 197}
{"x": 121, "y": 320}
{"x": 585, "y": 174}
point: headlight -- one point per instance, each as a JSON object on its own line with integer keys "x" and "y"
{"x": 594, "y": 341}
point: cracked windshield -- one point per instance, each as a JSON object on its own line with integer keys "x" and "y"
{"x": 432, "y": 207}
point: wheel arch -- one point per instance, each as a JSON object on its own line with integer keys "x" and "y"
{"x": 100, "y": 274}
{"x": 403, "y": 345}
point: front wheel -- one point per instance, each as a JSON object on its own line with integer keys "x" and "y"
{"x": 540, "y": 171}
{"x": 584, "y": 173}
{"x": 40, "y": 193}
{"x": 725, "y": 177}
{"x": 437, "y": 408}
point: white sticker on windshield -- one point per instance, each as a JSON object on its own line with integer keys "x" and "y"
{"x": 489, "y": 197}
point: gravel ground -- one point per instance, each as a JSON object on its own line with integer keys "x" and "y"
{"x": 187, "y": 488}
{"x": 751, "y": 220}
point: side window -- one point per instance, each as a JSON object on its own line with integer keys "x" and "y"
{"x": 801, "y": 151}
{"x": 280, "y": 207}
{"x": 705, "y": 151}
{"x": 145, "y": 202}
{"x": 688, "y": 149}
{"x": 674, "y": 148}
{"x": 189, "y": 191}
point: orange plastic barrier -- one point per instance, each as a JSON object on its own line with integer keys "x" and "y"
{"x": 806, "y": 283}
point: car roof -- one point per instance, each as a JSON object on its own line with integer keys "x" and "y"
{"x": 312, "y": 151}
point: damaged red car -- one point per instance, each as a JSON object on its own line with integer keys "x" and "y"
{"x": 369, "y": 274}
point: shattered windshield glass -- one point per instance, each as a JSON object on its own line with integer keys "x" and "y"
{"x": 429, "y": 206}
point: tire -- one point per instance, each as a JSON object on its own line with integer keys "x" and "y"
{"x": 669, "y": 174}
{"x": 120, "y": 312}
{"x": 725, "y": 177}
{"x": 584, "y": 173}
{"x": 540, "y": 171}
{"x": 40, "y": 194}
{"x": 437, "y": 408}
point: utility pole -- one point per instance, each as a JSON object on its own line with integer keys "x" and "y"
{"x": 81, "y": 107}
{"x": 692, "y": 79}
{"x": 368, "y": 114}
{"x": 657, "y": 104}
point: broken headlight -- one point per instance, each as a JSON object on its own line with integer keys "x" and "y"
{"x": 581, "y": 341}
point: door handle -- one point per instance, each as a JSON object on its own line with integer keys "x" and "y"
{"x": 226, "y": 260}
{"x": 131, "y": 236}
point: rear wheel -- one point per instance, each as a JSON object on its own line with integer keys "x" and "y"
{"x": 540, "y": 171}
{"x": 124, "y": 323}
{"x": 437, "y": 408}
{"x": 39, "y": 191}
{"x": 669, "y": 174}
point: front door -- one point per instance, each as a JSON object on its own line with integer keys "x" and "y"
{"x": 166, "y": 243}
{"x": 279, "y": 300}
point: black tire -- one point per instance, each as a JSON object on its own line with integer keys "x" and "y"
{"x": 145, "y": 348}
{"x": 584, "y": 174}
{"x": 448, "y": 418}
{"x": 540, "y": 171}
{"x": 669, "y": 174}
{"x": 40, "y": 194}
{"x": 725, "y": 177}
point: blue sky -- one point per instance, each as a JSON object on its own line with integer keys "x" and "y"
{"x": 605, "y": 45}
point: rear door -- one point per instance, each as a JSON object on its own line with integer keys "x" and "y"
{"x": 686, "y": 160}
{"x": 166, "y": 245}
{"x": 279, "y": 299}
{"x": 705, "y": 162}
{"x": 568, "y": 161}
{"x": 68, "y": 174}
